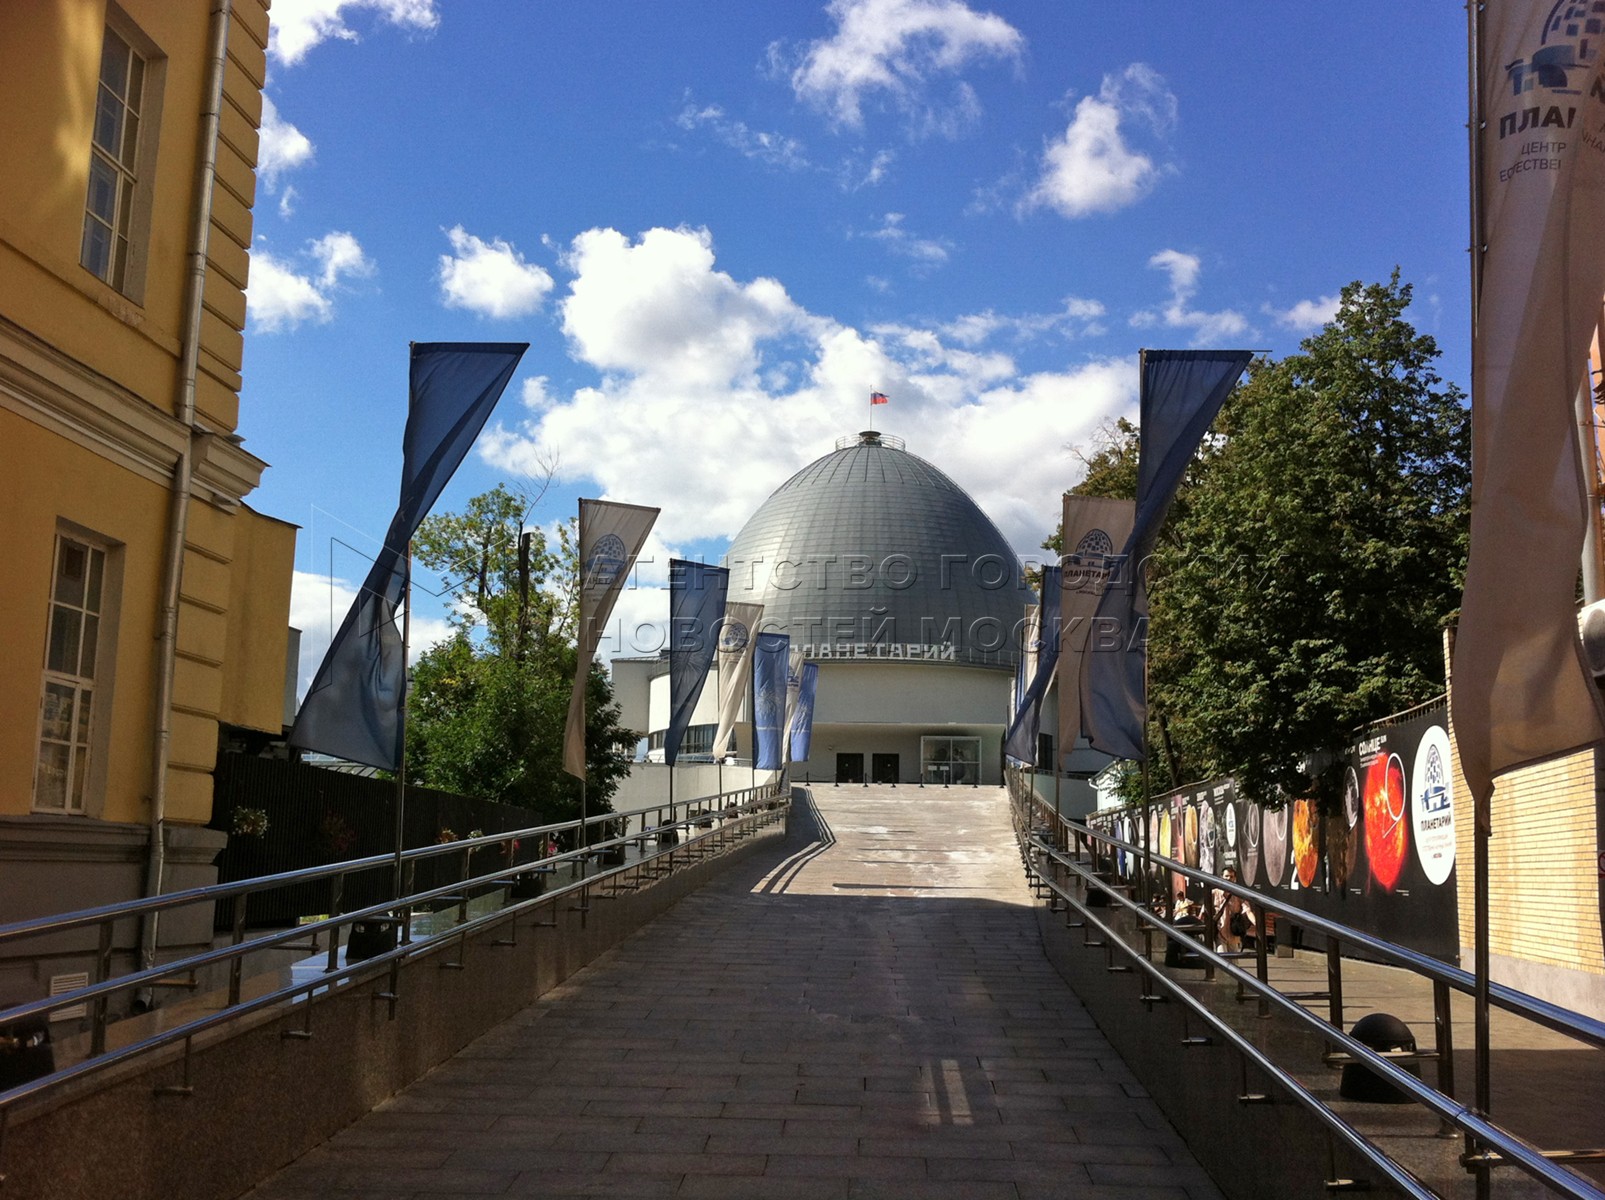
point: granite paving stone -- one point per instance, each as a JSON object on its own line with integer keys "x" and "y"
{"x": 861, "y": 1013}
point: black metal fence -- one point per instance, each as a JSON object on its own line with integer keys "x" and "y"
{"x": 315, "y": 817}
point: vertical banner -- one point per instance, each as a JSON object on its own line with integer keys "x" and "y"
{"x": 1030, "y": 642}
{"x": 696, "y": 604}
{"x": 794, "y": 666}
{"x": 611, "y": 535}
{"x": 1520, "y": 689}
{"x": 1021, "y": 742}
{"x": 769, "y": 699}
{"x": 801, "y": 730}
{"x": 1182, "y": 390}
{"x": 736, "y": 634}
{"x": 1095, "y": 529}
{"x": 354, "y": 708}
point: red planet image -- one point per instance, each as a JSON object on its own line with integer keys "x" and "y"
{"x": 1386, "y": 835}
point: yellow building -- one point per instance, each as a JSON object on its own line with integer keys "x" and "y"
{"x": 145, "y": 607}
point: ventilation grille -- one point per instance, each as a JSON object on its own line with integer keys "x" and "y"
{"x": 60, "y": 985}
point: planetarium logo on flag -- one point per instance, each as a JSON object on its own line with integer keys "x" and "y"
{"x": 1092, "y": 564}
{"x": 733, "y": 636}
{"x": 606, "y": 562}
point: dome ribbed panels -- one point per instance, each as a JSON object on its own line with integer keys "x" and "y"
{"x": 874, "y": 504}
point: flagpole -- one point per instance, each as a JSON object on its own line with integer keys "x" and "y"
{"x": 401, "y": 715}
{"x": 1482, "y": 797}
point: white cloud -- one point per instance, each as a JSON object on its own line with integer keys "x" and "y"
{"x": 281, "y": 297}
{"x": 1184, "y": 270}
{"x": 713, "y": 391}
{"x": 318, "y": 603}
{"x": 1307, "y": 315}
{"x": 927, "y": 253}
{"x": 490, "y": 278}
{"x": 1092, "y": 168}
{"x": 771, "y": 149}
{"x": 898, "y": 47}
{"x": 283, "y": 147}
{"x": 1079, "y": 317}
{"x": 298, "y": 26}
{"x": 854, "y": 173}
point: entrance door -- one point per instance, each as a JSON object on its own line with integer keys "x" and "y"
{"x": 849, "y": 768}
{"x": 883, "y": 768}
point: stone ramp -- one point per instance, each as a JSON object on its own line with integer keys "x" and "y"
{"x": 864, "y": 1013}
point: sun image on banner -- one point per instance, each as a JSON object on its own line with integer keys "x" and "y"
{"x": 1382, "y": 860}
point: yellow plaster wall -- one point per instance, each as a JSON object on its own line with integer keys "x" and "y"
{"x": 259, "y": 633}
{"x": 234, "y": 601}
{"x": 47, "y": 478}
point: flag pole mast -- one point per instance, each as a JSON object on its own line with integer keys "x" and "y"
{"x": 1482, "y": 798}
{"x": 401, "y": 770}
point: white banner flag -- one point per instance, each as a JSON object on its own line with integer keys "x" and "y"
{"x": 794, "y": 668}
{"x": 611, "y": 535}
{"x": 736, "y": 634}
{"x": 1520, "y": 689}
{"x": 1094, "y": 531}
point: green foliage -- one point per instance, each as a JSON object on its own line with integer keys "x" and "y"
{"x": 1314, "y": 553}
{"x": 488, "y": 704}
{"x": 1111, "y": 470}
{"x": 1320, "y": 550}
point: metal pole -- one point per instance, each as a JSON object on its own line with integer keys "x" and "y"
{"x": 1483, "y": 797}
{"x": 182, "y": 479}
{"x": 401, "y": 770}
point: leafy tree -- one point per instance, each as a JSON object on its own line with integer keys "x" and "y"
{"x": 1111, "y": 466}
{"x": 1319, "y": 553}
{"x": 489, "y": 703}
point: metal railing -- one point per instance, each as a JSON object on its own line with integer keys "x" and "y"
{"x": 1060, "y": 852}
{"x": 691, "y": 831}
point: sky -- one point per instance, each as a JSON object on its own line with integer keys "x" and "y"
{"x": 720, "y": 225}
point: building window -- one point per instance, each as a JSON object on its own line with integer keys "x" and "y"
{"x": 950, "y": 760}
{"x": 114, "y": 162}
{"x": 72, "y": 658}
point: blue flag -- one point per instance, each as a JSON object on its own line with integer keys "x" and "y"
{"x": 1020, "y": 743}
{"x": 802, "y": 721}
{"x": 1182, "y": 390}
{"x": 696, "y": 606}
{"x": 769, "y": 661}
{"x": 354, "y": 709}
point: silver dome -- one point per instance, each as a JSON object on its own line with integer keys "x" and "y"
{"x": 871, "y": 552}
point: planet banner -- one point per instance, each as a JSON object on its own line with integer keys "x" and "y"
{"x": 1382, "y": 863}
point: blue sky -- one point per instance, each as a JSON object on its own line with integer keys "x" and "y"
{"x": 721, "y": 224}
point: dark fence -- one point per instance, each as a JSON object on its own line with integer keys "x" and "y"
{"x": 316, "y": 817}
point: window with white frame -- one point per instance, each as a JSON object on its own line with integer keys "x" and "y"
{"x": 114, "y": 161}
{"x": 72, "y": 660}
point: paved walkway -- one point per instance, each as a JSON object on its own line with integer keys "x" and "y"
{"x": 863, "y": 1013}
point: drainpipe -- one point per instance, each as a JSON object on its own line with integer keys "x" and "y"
{"x": 183, "y": 472}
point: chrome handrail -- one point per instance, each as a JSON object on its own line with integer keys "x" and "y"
{"x": 1477, "y": 1128}
{"x": 746, "y": 808}
{"x": 1534, "y": 1008}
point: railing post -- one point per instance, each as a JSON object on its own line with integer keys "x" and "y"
{"x": 236, "y": 966}
{"x": 1262, "y": 966}
{"x": 97, "y": 1036}
{"x": 1444, "y": 1043}
{"x": 1334, "y": 981}
{"x": 337, "y": 901}
{"x": 1209, "y": 932}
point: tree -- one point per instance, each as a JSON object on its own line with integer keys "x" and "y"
{"x": 1111, "y": 471}
{"x": 489, "y": 703}
{"x": 1318, "y": 555}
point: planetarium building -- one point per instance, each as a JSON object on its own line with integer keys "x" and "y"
{"x": 883, "y": 571}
